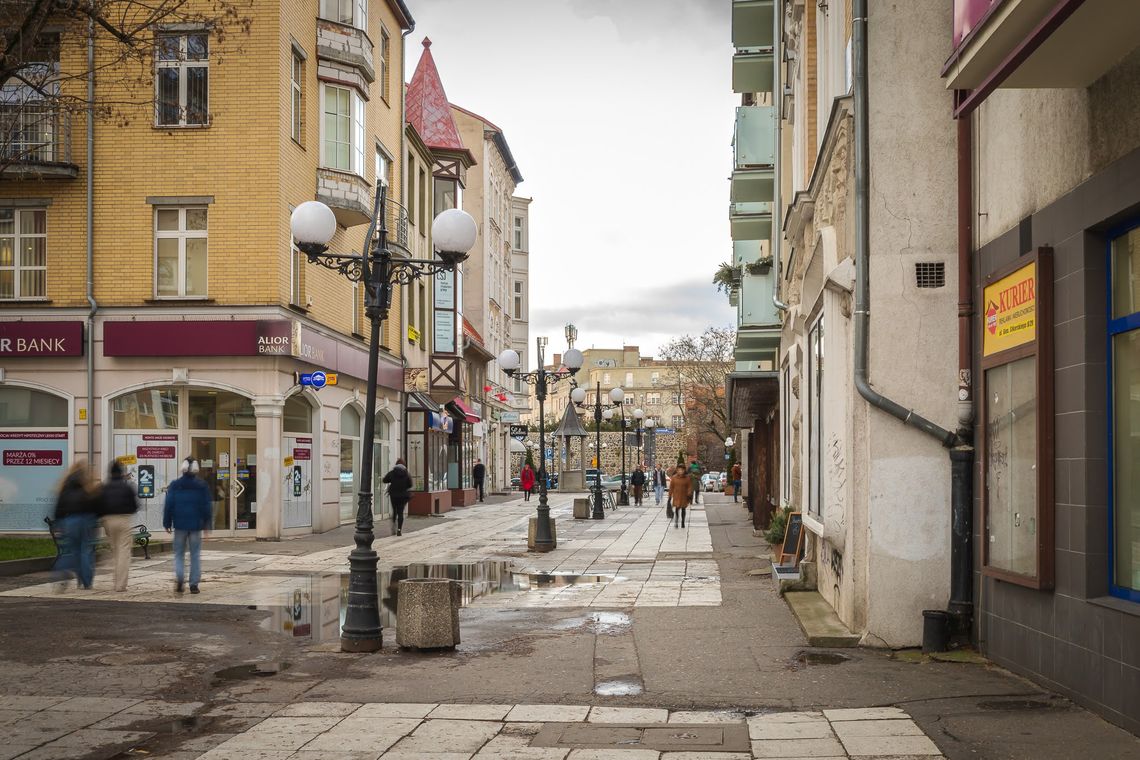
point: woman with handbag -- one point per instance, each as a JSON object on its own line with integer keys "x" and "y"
{"x": 680, "y": 490}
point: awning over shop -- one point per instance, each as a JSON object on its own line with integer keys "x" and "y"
{"x": 751, "y": 396}
{"x": 421, "y": 402}
{"x": 516, "y": 446}
{"x": 462, "y": 411}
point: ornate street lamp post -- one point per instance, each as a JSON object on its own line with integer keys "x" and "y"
{"x": 578, "y": 396}
{"x": 542, "y": 381}
{"x": 313, "y": 225}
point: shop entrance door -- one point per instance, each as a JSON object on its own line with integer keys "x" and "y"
{"x": 229, "y": 469}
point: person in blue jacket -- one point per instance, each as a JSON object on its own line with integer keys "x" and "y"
{"x": 188, "y": 512}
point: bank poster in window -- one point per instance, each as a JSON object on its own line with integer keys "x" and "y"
{"x": 1010, "y": 311}
{"x": 32, "y": 464}
{"x": 150, "y": 462}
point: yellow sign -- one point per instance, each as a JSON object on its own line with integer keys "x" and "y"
{"x": 413, "y": 335}
{"x": 82, "y": 414}
{"x": 288, "y": 461}
{"x": 330, "y": 378}
{"x": 1009, "y": 311}
{"x": 128, "y": 459}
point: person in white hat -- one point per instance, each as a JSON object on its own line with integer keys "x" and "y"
{"x": 187, "y": 511}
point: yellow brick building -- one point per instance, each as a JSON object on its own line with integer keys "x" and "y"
{"x": 202, "y": 316}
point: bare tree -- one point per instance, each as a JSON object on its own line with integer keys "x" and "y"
{"x": 44, "y": 62}
{"x": 697, "y": 368}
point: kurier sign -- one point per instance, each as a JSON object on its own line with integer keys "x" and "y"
{"x": 1010, "y": 311}
{"x": 27, "y": 339}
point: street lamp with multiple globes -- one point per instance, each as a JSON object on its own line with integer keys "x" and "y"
{"x": 650, "y": 424}
{"x": 578, "y": 396}
{"x": 313, "y": 225}
{"x": 541, "y": 379}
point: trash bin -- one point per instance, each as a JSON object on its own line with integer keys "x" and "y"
{"x": 427, "y": 613}
{"x": 935, "y": 631}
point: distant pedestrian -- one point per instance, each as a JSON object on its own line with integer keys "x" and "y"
{"x": 76, "y": 510}
{"x": 526, "y": 481}
{"x": 638, "y": 481}
{"x": 680, "y": 490}
{"x": 399, "y": 493}
{"x": 736, "y": 474}
{"x": 660, "y": 481}
{"x": 119, "y": 505}
{"x": 187, "y": 512}
{"x": 478, "y": 474}
{"x": 695, "y": 473}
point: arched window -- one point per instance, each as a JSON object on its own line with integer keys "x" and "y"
{"x": 298, "y": 415}
{"x": 349, "y": 461}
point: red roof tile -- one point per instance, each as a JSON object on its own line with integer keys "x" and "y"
{"x": 427, "y": 107}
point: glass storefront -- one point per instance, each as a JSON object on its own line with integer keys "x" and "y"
{"x": 1124, "y": 334}
{"x": 297, "y": 496}
{"x": 35, "y": 452}
{"x": 349, "y": 457}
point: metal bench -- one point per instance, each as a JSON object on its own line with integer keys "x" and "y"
{"x": 140, "y": 536}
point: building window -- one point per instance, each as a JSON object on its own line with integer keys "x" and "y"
{"x": 652, "y": 398}
{"x": 411, "y": 193}
{"x": 348, "y": 12}
{"x": 786, "y": 424}
{"x": 518, "y": 233}
{"x": 678, "y": 398}
{"x": 357, "y": 310}
{"x": 423, "y": 201}
{"x": 628, "y": 379}
{"x": 385, "y": 52}
{"x": 180, "y": 252}
{"x": 815, "y": 417}
{"x": 605, "y": 378}
{"x": 446, "y": 193}
{"x": 298, "y": 77}
{"x": 349, "y": 459}
{"x": 518, "y": 300}
{"x": 31, "y": 121}
{"x": 678, "y": 421}
{"x": 296, "y": 276}
{"x": 182, "y": 79}
{"x": 23, "y": 253}
{"x": 1124, "y": 334}
{"x": 343, "y": 140}
{"x": 383, "y": 169}
{"x": 655, "y": 378}
{"x": 422, "y": 314}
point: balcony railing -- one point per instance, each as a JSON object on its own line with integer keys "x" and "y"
{"x": 35, "y": 140}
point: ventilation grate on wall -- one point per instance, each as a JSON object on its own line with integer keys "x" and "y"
{"x": 930, "y": 274}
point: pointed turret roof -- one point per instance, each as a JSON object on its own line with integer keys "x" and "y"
{"x": 571, "y": 425}
{"x": 427, "y": 107}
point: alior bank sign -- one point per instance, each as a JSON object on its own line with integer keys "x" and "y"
{"x": 29, "y": 339}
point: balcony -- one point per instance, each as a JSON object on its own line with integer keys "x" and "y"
{"x": 351, "y": 200}
{"x": 1038, "y": 43}
{"x": 750, "y": 221}
{"x": 347, "y": 46}
{"x": 756, "y": 308}
{"x": 753, "y": 22}
{"x": 36, "y": 142}
{"x": 757, "y": 349}
{"x": 754, "y": 139}
{"x": 753, "y": 70}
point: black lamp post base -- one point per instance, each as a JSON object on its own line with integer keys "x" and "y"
{"x": 361, "y": 632}
{"x": 623, "y": 499}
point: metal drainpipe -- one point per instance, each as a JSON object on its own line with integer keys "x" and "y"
{"x": 778, "y": 102}
{"x": 91, "y": 240}
{"x": 863, "y": 241}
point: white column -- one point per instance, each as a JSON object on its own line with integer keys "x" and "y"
{"x": 270, "y": 467}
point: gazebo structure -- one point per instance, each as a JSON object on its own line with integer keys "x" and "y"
{"x": 571, "y": 478}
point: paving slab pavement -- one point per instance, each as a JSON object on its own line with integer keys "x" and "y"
{"x": 687, "y": 662}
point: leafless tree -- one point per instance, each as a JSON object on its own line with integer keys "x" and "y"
{"x": 697, "y": 368}
{"x": 44, "y": 64}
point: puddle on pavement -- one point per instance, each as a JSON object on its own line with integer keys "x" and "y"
{"x": 248, "y": 671}
{"x": 1015, "y": 705}
{"x": 619, "y": 687}
{"x": 313, "y": 609}
{"x": 820, "y": 658}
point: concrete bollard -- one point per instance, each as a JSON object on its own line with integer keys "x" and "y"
{"x": 582, "y": 509}
{"x": 427, "y": 613}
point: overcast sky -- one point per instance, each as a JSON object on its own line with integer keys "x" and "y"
{"x": 620, "y": 115}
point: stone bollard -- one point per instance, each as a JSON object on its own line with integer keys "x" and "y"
{"x": 582, "y": 509}
{"x": 532, "y": 531}
{"x": 427, "y": 613}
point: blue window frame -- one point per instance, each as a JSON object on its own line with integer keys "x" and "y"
{"x": 1123, "y": 252}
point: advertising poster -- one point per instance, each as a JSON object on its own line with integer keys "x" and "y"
{"x": 151, "y": 464}
{"x": 297, "y": 494}
{"x": 31, "y": 467}
{"x": 1010, "y": 318}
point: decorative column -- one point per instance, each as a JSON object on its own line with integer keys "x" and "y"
{"x": 269, "y": 411}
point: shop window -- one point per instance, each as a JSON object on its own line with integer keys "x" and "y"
{"x": 220, "y": 410}
{"x": 24, "y": 407}
{"x": 1017, "y": 412}
{"x": 381, "y": 463}
{"x": 1124, "y": 334}
{"x": 151, "y": 409}
{"x": 35, "y": 442}
{"x": 349, "y": 456}
{"x": 298, "y": 416}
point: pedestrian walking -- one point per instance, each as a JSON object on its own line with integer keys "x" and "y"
{"x": 695, "y": 470}
{"x": 119, "y": 505}
{"x": 76, "y": 510}
{"x": 638, "y": 481}
{"x": 478, "y": 473}
{"x": 526, "y": 481}
{"x": 680, "y": 490}
{"x": 660, "y": 481}
{"x": 736, "y": 475}
{"x": 187, "y": 512}
{"x": 399, "y": 493}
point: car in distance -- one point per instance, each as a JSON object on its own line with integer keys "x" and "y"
{"x": 710, "y": 481}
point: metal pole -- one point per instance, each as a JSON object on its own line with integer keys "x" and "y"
{"x": 361, "y": 631}
{"x": 543, "y": 536}
{"x": 624, "y": 501}
{"x": 599, "y": 512}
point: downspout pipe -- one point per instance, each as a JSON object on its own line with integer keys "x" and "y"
{"x": 778, "y": 103}
{"x": 863, "y": 241}
{"x": 92, "y": 303}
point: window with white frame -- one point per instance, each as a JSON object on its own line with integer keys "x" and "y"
{"x": 518, "y": 299}
{"x": 653, "y": 398}
{"x": 786, "y": 424}
{"x": 384, "y": 62}
{"x": 23, "y": 253}
{"x": 342, "y": 144}
{"x": 628, "y": 379}
{"x": 357, "y": 310}
{"x": 678, "y": 398}
{"x": 180, "y": 252}
{"x": 296, "y": 104}
{"x": 296, "y": 277}
{"x": 349, "y": 12}
{"x": 678, "y": 421}
{"x": 382, "y": 167}
{"x": 655, "y": 378}
{"x": 519, "y": 239}
{"x": 605, "y": 378}
{"x": 815, "y": 417}
{"x": 182, "y": 79}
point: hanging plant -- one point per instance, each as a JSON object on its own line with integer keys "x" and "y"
{"x": 760, "y": 266}
{"x": 726, "y": 276}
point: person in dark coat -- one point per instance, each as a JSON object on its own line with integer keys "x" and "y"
{"x": 76, "y": 510}
{"x": 188, "y": 512}
{"x": 478, "y": 473}
{"x": 399, "y": 493}
{"x": 638, "y": 481}
{"x": 660, "y": 482}
{"x": 120, "y": 503}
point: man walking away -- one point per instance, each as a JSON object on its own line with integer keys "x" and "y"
{"x": 695, "y": 472}
{"x": 120, "y": 503}
{"x": 638, "y": 481}
{"x": 187, "y": 511}
{"x": 736, "y": 472}
{"x": 76, "y": 510}
{"x": 680, "y": 489}
{"x": 659, "y": 483}
{"x": 399, "y": 493}
{"x": 478, "y": 473}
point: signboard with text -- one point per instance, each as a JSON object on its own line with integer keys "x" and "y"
{"x": 1009, "y": 311}
{"x": 33, "y": 465}
{"x": 28, "y": 339}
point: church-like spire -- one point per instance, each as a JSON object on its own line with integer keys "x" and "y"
{"x": 427, "y": 107}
